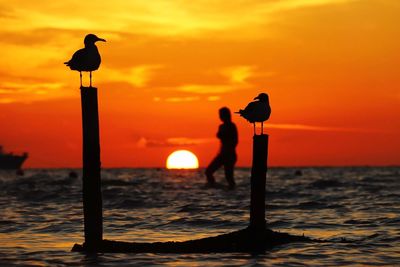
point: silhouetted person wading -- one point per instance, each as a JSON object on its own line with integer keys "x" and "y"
{"x": 226, "y": 157}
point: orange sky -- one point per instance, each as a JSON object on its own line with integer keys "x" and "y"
{"x": 331, "y": 68}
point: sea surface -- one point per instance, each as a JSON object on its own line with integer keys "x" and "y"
{"x": 356, "y": 210}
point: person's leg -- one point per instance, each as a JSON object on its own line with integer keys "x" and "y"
{"x": 212, "y": 167}
{"x": 229, "y": 167}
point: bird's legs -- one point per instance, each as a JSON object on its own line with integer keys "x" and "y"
{"x": 262, "y": 125}
{"x": 254, "y": 126}
{"x": 90, "y": 79}
{"x": 80, "y": 76}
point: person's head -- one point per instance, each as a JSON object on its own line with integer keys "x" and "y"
{"x": 225, "y": 114}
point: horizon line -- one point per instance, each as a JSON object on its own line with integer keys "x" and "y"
{"x": 238, "y": 167}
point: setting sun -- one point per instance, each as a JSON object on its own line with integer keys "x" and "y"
{"x": 182, "y": 159}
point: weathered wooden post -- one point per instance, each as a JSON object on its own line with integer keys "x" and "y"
{"x": 92, "y": 200}
{"x": 258, "y": 180}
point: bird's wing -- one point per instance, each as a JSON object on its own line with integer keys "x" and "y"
{"x": 250, "y": 107}
{"x": 262, "y": 111}
{"x": 93, "y": 58}
{"x": 248, "y": 112}
{"x": 78, "y": 60}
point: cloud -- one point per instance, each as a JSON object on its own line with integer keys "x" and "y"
{"x": 187, "y": 141}
{"x": 213, "y": 98}
{"x": 296, "y": 4}
{"x": 205, "y": 16}
{"x": 138, "y": 76}
{"x": 157, "y": 17}
{"x": 144, "y": 142}
{"x": 238, "y": 74}
{"x": 38, "y": 36}
{"x": 206, "y": 89}
{"x": 5, "y": 12}
{"x": 288, "y": 126}
{"x": 29, "y": 91}
{"x": 7, "y": 100}
{"x": 182, "y": 99}
{"x": 185, "y": 99}
{"x": 27, "y": 87}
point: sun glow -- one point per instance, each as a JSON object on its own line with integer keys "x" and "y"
{"x": 182, "y": 159}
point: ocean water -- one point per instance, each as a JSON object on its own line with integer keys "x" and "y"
{"x": 356, "y": 210}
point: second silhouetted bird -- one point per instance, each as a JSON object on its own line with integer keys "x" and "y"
{"x": 86, "y": 59}
{"x": 257, "y": 111}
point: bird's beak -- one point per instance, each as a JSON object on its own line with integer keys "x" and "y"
{"x": 100, "y": 39}
{"x": 257, "y": 97}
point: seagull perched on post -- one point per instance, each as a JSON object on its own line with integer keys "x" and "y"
{"x": 257, "y": 111}
{"x": 86, "y": 59}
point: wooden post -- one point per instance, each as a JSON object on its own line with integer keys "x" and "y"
{"x": 258, "y": 179}
{"x": 92, "y": 200}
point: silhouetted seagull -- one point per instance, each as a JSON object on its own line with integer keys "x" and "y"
{"x": 86, "y": 59}
{"x": 257, "y": 111}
